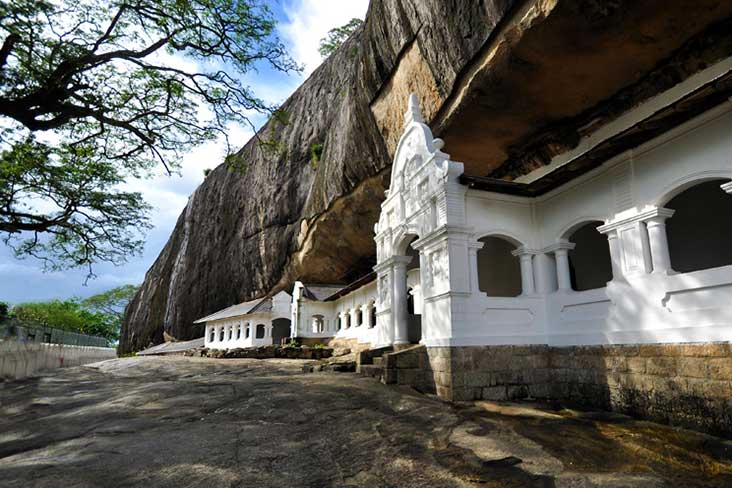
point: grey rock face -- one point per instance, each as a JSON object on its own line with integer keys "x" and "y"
{"x": 285, "y": 215}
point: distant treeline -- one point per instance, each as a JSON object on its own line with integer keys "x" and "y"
{"x": 99, "y": 315}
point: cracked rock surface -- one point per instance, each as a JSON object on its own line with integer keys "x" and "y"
{"x": 181, "y": 422}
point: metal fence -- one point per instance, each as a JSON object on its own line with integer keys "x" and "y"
{"x": 25, "y": 332}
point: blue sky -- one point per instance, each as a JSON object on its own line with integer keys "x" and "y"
{"x": 302, "y": 23}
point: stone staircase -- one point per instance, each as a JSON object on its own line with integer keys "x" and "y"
{"x": 344, "y": 358}
{"x": 409, "y": 366}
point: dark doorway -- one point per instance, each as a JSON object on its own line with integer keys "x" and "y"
{"x": 280, "y": 330}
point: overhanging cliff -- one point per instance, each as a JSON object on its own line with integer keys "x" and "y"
{"x": 506, "y": 83}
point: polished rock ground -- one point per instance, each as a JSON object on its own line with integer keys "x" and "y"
{"x": 179, "y": 422}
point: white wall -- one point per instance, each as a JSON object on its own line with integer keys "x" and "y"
{"x": 638, "y": 305}
{"x": 645, "y": 301}
{"x": 19, "y": 360}
{"x": 362, "y": 298}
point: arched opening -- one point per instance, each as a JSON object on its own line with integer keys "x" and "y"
{"x": 231, "y": 333}
{"x": 238, "y": 332}
{"x": 590, "y": 266}
{"x": 339, "y": 323}
{"x": 499, "y": 271}
{"x": 359, "y": 316}
{"x": 260, "y": 331}
{"x": 247, "y": 333}
{"x": 348, "y": 319}
{"x": 699, "y": 236}
{"x": 212, "y": 336}
{"x": 318, "y": 324}
{"x": 372, "y": 315}
{"x": 280, "y": 330}
{"x": 221, "y": 334}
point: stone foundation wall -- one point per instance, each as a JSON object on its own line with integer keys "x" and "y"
{"x": 410, "y": 367}
{"x": 681, "y": 384}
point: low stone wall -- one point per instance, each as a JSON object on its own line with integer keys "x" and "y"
{"x": 20, "y": 360}
{"x": 682, "y": 384}
{"x": 264, "y": 352}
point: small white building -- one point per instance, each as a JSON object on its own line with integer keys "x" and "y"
{"x": 256, "y": 323}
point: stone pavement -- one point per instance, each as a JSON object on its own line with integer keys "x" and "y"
{"x": 178, "y": 422}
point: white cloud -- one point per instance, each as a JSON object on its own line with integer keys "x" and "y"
{"x": 308, "y": 21}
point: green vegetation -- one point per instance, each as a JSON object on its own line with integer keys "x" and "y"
{"x": 291, "y": 344}
{"x": 316, "y": 152}
{"x": 4, "y": 311}
{"x": 319, "y": 345}
{"x": 336, "y": 37}
{"x": 102, "y": 82}
{"x": 99, "y": 315}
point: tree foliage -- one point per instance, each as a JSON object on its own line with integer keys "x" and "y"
{"x": 93, "y": 92}
{"x": 336, "y": 37}
{"x": 98, "y": 315}
{"x": 67, "y": 315}
{"x": 111, "y": 302}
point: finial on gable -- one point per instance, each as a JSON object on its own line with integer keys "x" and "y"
{"x": 413, "y": 113}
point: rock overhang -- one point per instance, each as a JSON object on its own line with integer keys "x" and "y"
{"x": 554, "y": 71}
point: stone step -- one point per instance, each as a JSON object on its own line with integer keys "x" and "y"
{"x": 340, "y": 367}
{"x": 372, "y": 370}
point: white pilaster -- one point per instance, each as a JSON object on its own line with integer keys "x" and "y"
{"x": 616, "y": 256}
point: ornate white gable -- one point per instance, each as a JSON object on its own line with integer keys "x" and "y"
{"x": 421, "y": 172}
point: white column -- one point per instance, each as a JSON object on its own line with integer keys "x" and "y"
{"x": 561, "y": 256}
{"x": 527, "y": 270}
{"x": 365, "y": 315}
{"x": 341, "y": 321}
{"x": 545, "y": 276}
{"x": 399, "y": 306}
{"x": 659, "y": 242}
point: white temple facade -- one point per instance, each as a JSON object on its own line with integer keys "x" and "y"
{"x": 638, "y": 250}
{"x": 635, "y": 251}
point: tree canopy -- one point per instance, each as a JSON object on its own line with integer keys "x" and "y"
{"x": 111, "y": 302}
{"x": 337, "y": 36}
{"x": 98, "y": 315}
{"x": 93, "y": 92}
